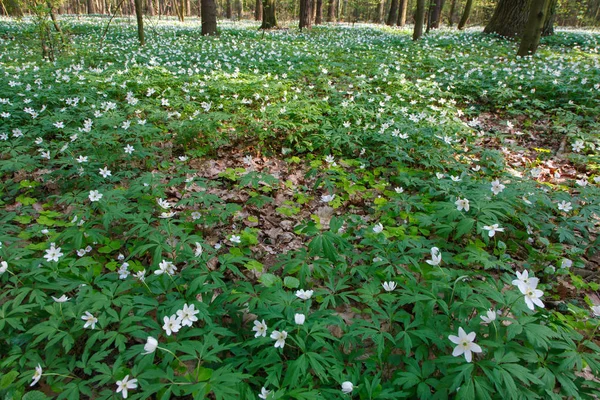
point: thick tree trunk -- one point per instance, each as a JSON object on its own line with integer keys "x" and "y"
{"x": 549, "y": 23}
{"x": 90, "y": 6}
{"x": 451, "y": 15}
{"x": 150, "y": 7}
{"x": 393, "y": 15}
{"x": 269, "y": 20}
{"x": 331, "y": 11}
{"x": 258, "y": 10}
{"x": 465, "y": 15}
{"x": 319, "y": 15}
{"x": 510, "y": 18}
{"x": 13, "y": 8}
{"x": 305, "y": 14}
{"x": 402, "y": 13}
{"x": 139, "y": 16}
{"x": 208, "y": 11}
{"x": 380, "y": 11}
{"x": 533, "y": 30}
{"x": 419, "y": 20}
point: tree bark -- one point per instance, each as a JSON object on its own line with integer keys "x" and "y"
{"x": 393, "y": 15}
{"x": 419, "y": 20}
{"x": 269, "y": 20}
{"x": 228, "y": 10}
{"x": 239, "y": 9}
{"x": 549, "y": 23}
{"x": 510, "y": 18}
{"x": 451, "y": 15}
{"x": 13, "y": 8}
{"x": 140, "y": 21}
{"x": 435, "y": 12}
{"x": 90, "y": 6}
{"x": 402, "y": 13}
{"x": 331, "y": 11}
{"x": 305, "y": 14}
{"x": 208, "y": 10}
{"x": 533, "y": 30}
{"x": 150, "y": 7}
{"x": 258, "y": 10}
{"x": 319, "y": 15}
{"x": 465, "y": 15}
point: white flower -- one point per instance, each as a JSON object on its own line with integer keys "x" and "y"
{"x": 565, "y": 206}
{"x": 326, "y": 198}
{"x": 378, "y": 228}
{"x": 489, "y": 317}
{"x": 126, "y": 384}
{"x": 235, "y": 239}
{"x": 523, "y": 281}
{"x": 187, "y": 315}
{"x": 166, "y": 266}
{"x": 582, "y": 182}
{"x": 532, "y": 296}
{"x": 61, "y": 299}
{"x": 128, "y": 149}
{"x": 439, "y": 175}
{"x": 436, "y": 257}
{"x": 493, "y": 229}
{"x": 198, "y": 251}
{"x": 95, "y": 195}
{"x": 462, "y": 204}
{"x": 389, "y": 286}
{"x": 578, "y": 146}
{"x": 90, "y": 320}
{"x": 123, "y": 271}
{"x": 36, "y": 375}
{"x": 263, "y": 393}
{"x": 304, "y": 294}
{"x": 105, "y": 172}
{"x": 151, "y": 345}
{"x": 399, "y": 190}
{"x": 347, "y": 387}
{"x": 465, "y": 344}
{"x": 82, "y": 159}
{"x": 596, "y": 311}
{"x": 260, "y": 328}
{"x": 299, "y": 319}
{"x": 163, "y": 203}
{"x": 279, "y": 338}
{"x": 455, "y": 178}
{"x": 141, "y": 275}
{"x": 566, "y": 263}
{"x": 53, "y": 253}
{"x": 329, "y": 159}
{"x": 172, "y": 324}
{"x": 3, "y": 267}
{"x": 497, "y": 187}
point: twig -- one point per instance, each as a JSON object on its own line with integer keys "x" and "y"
{"x": 109, "y": 21}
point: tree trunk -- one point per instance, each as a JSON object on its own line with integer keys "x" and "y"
{"x": 200, "y": 9}
{"x": 269, "y": 20}
{"x": 319, "y": 16}
{"x": 13, "y": 8}
{"x": 380, "y": 11}
{"x": 393, "y": 15}
{"x": 419, "y": 20}
{"x": 62, "y": 36}
{"x": 549, "y": 23}
{"x": 451, "y": 15}
{"x": 228, "y": 10}
{"x": 331, "y": 11}
{"x": 305, "y": 14}
{"x": 239, "y": 9}
{"x": 90, "y": 6}
{"x": 465, "y": 15}
{"x": 208, "y": 11}
{"x": 139, "y": 16}
{"x": 402, "y": 13}
{"x": 150, "y": 7}
{"x": 435, "y": 12}
{"x": 533, "y": 30}
{"x": 258, "y": 10}
{"x": 510, "y": 18}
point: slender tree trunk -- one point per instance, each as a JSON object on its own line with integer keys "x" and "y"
{"x": 319, "y": 15}
{"x": 510, "y": 18}
{"x": 402, "y": 13}
{"x": 549, "y": 23}
{"x": 90, "y": 6}
{"x": 380, "y": 12}
{"x": 419, "y": 20}
{"x": 258, "y": 10}
{"x": 393, "y": 15}
{"x": 451, "y": 15}
{"x": 269, "y": 20}
{"x": 465, "y": 15}
{"x": 63, "y": 38}
{"x": 150, "y": 7}
{"x": 228, "y": 10}
{"x": 435, "y": 11}
{"x": 331, "y": 11}
{"x": 533, "y": 30}
{"x": 305, "y": 14}
{"x": 199, "y": 8}
{"x": 139, "y": 16}
{"x": 208, "y": 11}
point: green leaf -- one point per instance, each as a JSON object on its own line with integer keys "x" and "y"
{"x": 8, "y": 378}
{"x": 291, "y": 283}
{"x": 35, "y": 395}
{"x": 269, "y": 279}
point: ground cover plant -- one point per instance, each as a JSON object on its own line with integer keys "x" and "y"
{"x": 336, "y": 214}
